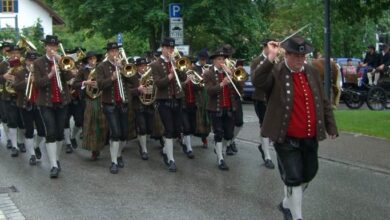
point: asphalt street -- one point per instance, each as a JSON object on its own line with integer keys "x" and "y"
{"x": 353, "y": 182}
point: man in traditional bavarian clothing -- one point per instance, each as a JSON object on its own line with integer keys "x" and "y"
{"x": 14, "y": 120}
{"x": 203, "y": 126}
{"x": 53, "y": 99}
{"x": 115, "y": 102}
{"x": 4, "y": 66}
{"x": 298, "y": 115}
{"x": 95, "y": 124}
{"x": 27, "y": 95}
{"x": 222, "y": 103}
{"x": 168, "y": 98}
{"x": 144, "y": 112}
{"x": 75, "y": 108}
{"x": 259, "y": 101}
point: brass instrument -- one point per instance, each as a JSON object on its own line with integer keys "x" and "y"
{"x": 30, "y": 85}
{"x": 128, "y": 68}
{"x": 147, "y": 81}
{"x": 205, "y": 67}
{"x": 9, "y": 84}
{"x": 181, "y": 63}
{"x": 238, "y": 73}
{"x": 57, "y": 73}
{"x": 92, "y": 91}
{"x": 24, "y": 43}
{"x": 119, "y": 79}
{"x": 66, "y": 62}
{"x": 195, "y": 78}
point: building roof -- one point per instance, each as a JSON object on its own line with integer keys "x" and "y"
{"x": 57, "y": 20}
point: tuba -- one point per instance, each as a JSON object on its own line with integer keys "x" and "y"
{"x": 92, "y": 91}
{"x": 239, "y": 73}
{"x": 147, "y": 81}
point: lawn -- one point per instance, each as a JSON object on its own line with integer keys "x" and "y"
{"x": 373, "y": 123}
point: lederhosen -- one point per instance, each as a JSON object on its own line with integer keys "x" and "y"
{"x": 144, "y": 114}
{"x": 168, "y": 97}
{"x": 28, "y": 108}
{"x": 52, "y": 103}
{"x": 221, "y": 105}
{"x": 258, "y": 96}
{"x": 114, "y": 108}
{"x": 94, "y": 123}
{"x": 9, "y": 108}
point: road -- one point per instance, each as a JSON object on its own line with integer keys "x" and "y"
{"x": 353, "y": 182}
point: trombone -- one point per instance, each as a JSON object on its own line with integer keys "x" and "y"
{"x": 29, "y": 87}
{"x": 66, "y": 62}
{"x": 119, "y": 80}
{"x": 129, "y": 69}
{"x": 57, "y": 72}
{"x": 230, "y": 78}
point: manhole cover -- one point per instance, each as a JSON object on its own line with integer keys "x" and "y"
{"x": 8, "y": 189}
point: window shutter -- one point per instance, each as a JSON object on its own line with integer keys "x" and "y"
{"x": 1, "y": 6}
{"x": 16, "y": 6}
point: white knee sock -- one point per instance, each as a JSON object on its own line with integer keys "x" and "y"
{"x": 169, "y": 148}
{"x": 218, "y": 150}
{"x": 30, "y": 146}
{"x": 12, "y": 136}
{"x": 38, "y": 141}
{"x": 114, "y": 147}
{"x": 51, "y": 149}
{"x": 369, "y": 76}
{"x": 265, "y": 147}
{"x": 6, "y": 131}
{"x": 75, "y": 131}
{"x": 67, "y": 136}
{"x": 236, "y": 131}
{"x": 20, "y": 135}
{"x": 295, "y": 202}
{"x": 285, "y": 199}
{"x": 188, "y": 142}
{"x": 142, "y": 143}
{"x": 59, "y": 149}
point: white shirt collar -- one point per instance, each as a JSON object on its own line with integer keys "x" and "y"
{"x": 164, "y": 58}
{"x": 301, "y": 70}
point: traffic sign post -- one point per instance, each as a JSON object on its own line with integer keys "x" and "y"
{"x": 176, "y": 30}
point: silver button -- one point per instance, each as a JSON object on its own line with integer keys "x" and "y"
{"x": 287, "y": 84}
{"x": 288, "y": 91}
{"x": 319, "y": 121}
{"x": 287, "y": 107}
{"x": 287, "y": 76}
{"x": 285, "y": 115}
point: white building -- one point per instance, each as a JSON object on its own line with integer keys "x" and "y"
{"x": 25, "y": 13}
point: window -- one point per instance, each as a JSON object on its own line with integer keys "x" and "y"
{"x": 9, "y": 5}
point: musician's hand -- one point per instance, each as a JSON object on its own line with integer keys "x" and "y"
{"x": 170, "y": 76}
{"x": 9, "y": 77}
{"x": 142, "y": 89}
{"x": 273, "y": 48}
{"x": 228, "y": 70}
{"x": 74, "y": 71}
{"x": 90, "y": 83}
{"x": 224, "y": 82}
{"x": 332, "y": 136}
{"x": 188, "y": 79}
{"x": 114, "y": 76}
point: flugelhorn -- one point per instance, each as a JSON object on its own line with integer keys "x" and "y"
{"x": 92, "y": 91}
{"x": 195, "y": 78}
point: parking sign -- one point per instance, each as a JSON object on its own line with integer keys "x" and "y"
{"x": 175, "y": 10}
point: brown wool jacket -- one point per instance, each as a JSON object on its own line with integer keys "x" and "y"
{"x": 133, "y": 85}
{"x": 4, "y": 67}
{"x": 213, "y": 89}
{"x": 104, "y": 72}
{"x": 163, "y": 84}
{"x": 43, "y": 83}
{"x": 258, "y": 94}
{"x": 20, "y": 85}
{"x": 276, "y": 81}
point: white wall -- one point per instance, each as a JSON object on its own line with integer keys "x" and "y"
{"x": 28, "y": 15}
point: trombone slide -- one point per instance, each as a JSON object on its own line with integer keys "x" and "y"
{"x": 58, "y": 78}
{"x": 120, "y": 85}
{"x": 234, "y": 86}
{"x": 176, "y": 76}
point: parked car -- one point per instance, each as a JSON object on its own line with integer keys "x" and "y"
{"x": 248, "y": 87}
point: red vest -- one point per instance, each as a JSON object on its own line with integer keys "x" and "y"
{"x": 55, "y": 91}
{"x": 303, "y": 117}
{"x": 224, "y": 100}
{"x": 190, "y": 96}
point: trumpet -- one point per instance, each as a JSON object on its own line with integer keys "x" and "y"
{"x": 29, "y": 87}
{"x": 57, "y": 73}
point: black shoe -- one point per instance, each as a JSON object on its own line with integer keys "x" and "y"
{"x": 33, "y": 160}
{"x": 38, "y": 153}
{"x": 261, "y": 151}
{"x": 165, "y": 158}
{"x": 120, "y": 162}
{"x": 74, "y": 143}
{"x": 172, "y": 166}
{"x": 54, "y": 172}
{"x": 269, "y": 164}
{"x": 59, "y": 166}
{"x": 9, "y": 144}
{"x": 229, "y": 151}
{"x": 14, "y": 152}
{"x": 222, "y": 165}
{"x": 144, "y": 156}
{"x": 114, "y": 168}
{"x": 68, "y": 149}
{"x": 234, "y": 147}
{"x": 190, "y": 155}
{"x": 22, "y": 148}
{"x": 286, "y": 212}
